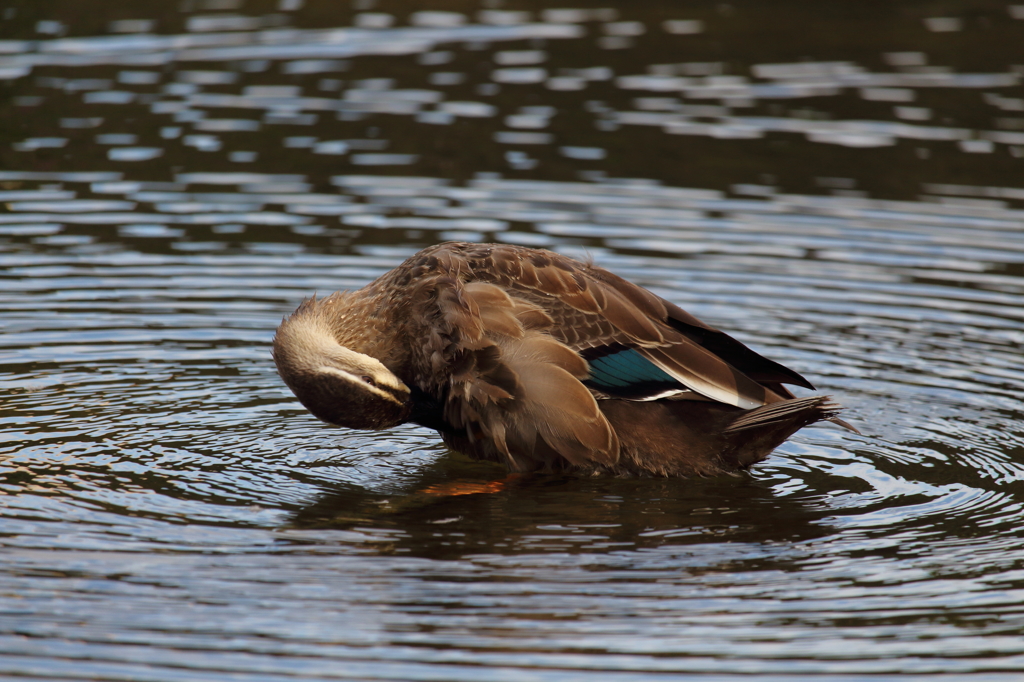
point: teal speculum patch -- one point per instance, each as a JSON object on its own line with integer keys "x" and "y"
{"x": 628, "y": 374}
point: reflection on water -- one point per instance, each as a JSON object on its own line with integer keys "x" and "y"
{"x": 173, "y": 180}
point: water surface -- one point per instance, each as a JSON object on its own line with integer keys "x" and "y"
{"x": 838, "y": 187}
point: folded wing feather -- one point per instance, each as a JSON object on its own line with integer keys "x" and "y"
{"x": 516, "y": 383}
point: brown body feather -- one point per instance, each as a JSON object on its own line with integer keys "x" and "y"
{"x": 487, "y": 344}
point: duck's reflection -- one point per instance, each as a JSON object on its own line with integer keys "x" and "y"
{"x": 458, "y": 507}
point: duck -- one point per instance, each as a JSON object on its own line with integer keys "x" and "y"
{"x": 543, "y": 363}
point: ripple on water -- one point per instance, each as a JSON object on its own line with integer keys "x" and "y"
{"x": 170, "y": 511}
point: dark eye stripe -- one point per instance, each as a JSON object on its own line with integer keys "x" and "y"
{"x": 399, "y": 395}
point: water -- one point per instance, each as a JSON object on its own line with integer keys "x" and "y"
{"x": 839, "y": 187}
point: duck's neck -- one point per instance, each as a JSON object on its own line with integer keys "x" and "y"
{"x": 364, "y": 322}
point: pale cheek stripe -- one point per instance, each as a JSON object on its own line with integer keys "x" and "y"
{"x": 356, "y": 381}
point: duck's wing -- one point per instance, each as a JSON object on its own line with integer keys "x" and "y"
{"x": 706, "y": 360}
{"x": 639, "y": 346}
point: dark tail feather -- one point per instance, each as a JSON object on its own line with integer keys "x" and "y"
{"x": 845, "y": 424}
{"x": 812, "y": 409}
{"x": 755, "y": 433}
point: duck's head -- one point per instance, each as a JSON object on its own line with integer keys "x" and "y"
{"x": 337, "y": 384}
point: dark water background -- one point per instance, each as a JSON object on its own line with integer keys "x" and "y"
{"x": 840, "y": 185}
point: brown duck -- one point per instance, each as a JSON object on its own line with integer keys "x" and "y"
{"x": 530, "y": 358}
